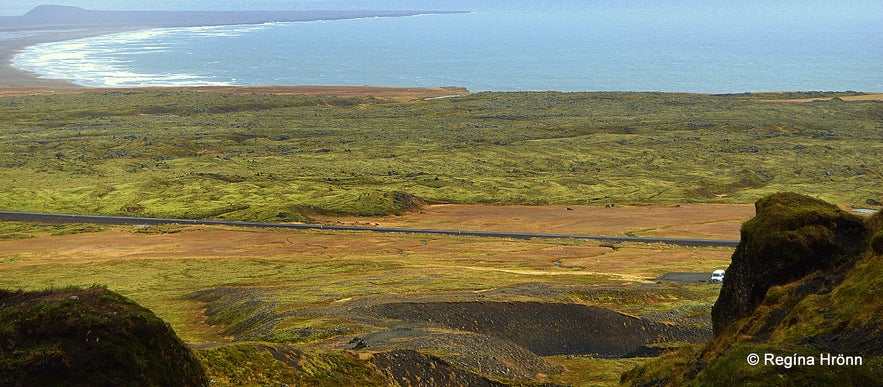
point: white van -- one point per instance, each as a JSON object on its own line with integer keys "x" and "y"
{"x": 717, "y": 276}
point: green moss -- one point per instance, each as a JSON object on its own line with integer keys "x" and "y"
{"x": 834, "y": 308}
{"x": 269, "y": 364}
{"x": 89, "y": 336}
{"x": 589, "y": 371}
{"x": 673, "y": 368}
{"x": 21, "y": 230}
{"x": 791, "y": 236}
{"x": 732, "y": 369}
{"x": 694, "y": 367}
{"x": 856, "y": 302}
{"x": 265, "y": 157}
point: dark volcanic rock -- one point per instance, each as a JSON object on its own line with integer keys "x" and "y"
{"x": 411, "y": 368}
{"x": 89, "y": 337}
{"x": 543, "y": 328}
{"x": 791, "y": 236}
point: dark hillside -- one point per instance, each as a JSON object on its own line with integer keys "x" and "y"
{"x": 805, "y": 285}
{"x": 791, "y": 236}
{"x": 89, "y": 337}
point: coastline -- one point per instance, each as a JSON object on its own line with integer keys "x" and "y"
{"x": 47, "y": 24}
{"x": 388, "y": 92}
{"x": 17, "y": 33}
{"x": 11, "y": 76}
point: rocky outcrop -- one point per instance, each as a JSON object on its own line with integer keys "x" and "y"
{"x": 791, "y": 236}
{"x": 804, "y": 284}
{"x": 93, "y": 337}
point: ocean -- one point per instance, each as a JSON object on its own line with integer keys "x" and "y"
{"x": 580, "y": 49}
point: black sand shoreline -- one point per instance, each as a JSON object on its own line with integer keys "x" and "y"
{"x": 47, "y": 24}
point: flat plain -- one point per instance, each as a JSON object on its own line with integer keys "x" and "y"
{"x": 311, "y": 289}
{"x": 190, "y": 154}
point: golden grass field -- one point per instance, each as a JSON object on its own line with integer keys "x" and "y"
{"x": 320, "y": 275}
{"x": 158, "y": 265}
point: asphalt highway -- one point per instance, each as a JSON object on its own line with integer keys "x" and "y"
{"x": 125, "y": 220}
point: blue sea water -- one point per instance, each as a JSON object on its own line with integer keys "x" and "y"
{"x": 491, "y": 50}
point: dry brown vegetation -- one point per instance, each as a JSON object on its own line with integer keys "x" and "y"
{"x": 706, "y": 221}
{"x": 397, "y": 93}
{"x": 317, "y": 289}
{"x": 860, "y": 97}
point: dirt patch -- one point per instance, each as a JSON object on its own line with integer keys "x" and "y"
{"x": 631, "y": 262}
{"x": 861, "y": 97}
{"x": 705, "y": 221}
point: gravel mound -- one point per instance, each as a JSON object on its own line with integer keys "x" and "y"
{"x": 543, "y": 328}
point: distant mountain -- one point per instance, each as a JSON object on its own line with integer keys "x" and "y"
{"x": 65, "y": 15}
{"x": 54, "y": 11}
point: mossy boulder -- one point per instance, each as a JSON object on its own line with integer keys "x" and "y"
{"x": 791, "y": 236}
{"x": 89, "y": 337}
{"x": 830, "y": 305}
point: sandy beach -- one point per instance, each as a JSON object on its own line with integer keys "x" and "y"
{"x": 11, "y": 76}
{"x": 14, "y": 81}
{"x": 50, "y": 23}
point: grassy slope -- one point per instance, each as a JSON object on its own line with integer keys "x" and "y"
{"x": 265, "y": 157}
{"x": 814, "y": 315}
{"x": 315, "y": 274}
{"x": 316, "y": 271}
{"x": 852, "y": 305}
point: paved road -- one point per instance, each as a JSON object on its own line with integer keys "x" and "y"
{"x": 126, "y": 220}
{"x": 686, "y": 277}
